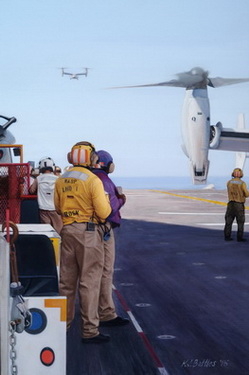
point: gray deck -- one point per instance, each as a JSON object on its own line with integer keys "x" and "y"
{"x": 187, "y": 288}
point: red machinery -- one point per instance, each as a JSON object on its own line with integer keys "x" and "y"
{"x": 14, "y": 184}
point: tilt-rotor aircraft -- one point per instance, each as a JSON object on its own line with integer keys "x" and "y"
{"x": 197, "y": 134}
{"x": 74, "y": 75}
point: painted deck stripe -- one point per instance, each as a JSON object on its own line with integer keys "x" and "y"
{"x": 216, "y": 224}
{"x": 195, "y": 198}
{"x": 153, "y": 354}
{"x": 192, "y": 213}
{"x": 134, "y": 321}
{"x": 139, "y": 330}
{"x": 121, "y": 299}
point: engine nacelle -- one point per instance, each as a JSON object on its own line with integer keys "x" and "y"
{"x": 215, "y": 132}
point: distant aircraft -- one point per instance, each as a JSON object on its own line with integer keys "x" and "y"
{"x": 74, "y": 75}
{"x": 197, "y": 134}
{"x": 6, "y": 138}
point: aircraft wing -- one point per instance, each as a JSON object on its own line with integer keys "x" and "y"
{"x": 233, "y": 140}
{"x": 68, "y": 74}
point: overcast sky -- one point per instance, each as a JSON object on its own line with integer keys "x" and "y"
{"x": 124, "y": 43}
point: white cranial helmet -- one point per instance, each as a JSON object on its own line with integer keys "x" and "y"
{"x": 46, "y": 163}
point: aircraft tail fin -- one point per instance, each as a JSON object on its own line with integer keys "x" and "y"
{"x": 240, "y": 160}
{"x": 241, "y": 122}
{"x": 240, "y": 157}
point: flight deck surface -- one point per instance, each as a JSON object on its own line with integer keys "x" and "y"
{"x": 184, "y": 288}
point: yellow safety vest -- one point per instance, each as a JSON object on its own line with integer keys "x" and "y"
{"x": 80, "y": 197}
{"x": 237, "y": 190}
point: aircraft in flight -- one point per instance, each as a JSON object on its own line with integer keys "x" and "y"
{"x": 198, "y": 135}
{"x": 74, "y": 75}
{"x": 6, "y": 138}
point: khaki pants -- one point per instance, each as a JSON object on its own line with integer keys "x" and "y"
{"x": 106, "y": 304}
{"x": 82, "y": 261}
{"x": 52, "y": 218}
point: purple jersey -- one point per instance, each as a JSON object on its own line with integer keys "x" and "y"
{"x": 115, "y": 200}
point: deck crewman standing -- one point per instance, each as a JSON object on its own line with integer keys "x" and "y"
{"x": 107, "y": 312}
{"x": 237, "y": 194}
{"x": 43, "y": 186}
{"x": 81, "y": 200}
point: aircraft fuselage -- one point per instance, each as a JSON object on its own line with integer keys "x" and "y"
{"x": 5, "y": 153}
{"x": 196, "y": 132}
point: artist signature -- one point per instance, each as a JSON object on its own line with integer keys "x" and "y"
{"x": 205, "y": 363}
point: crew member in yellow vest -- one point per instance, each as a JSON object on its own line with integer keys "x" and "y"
{"x": 237, "y": 194}
{"x": 81, "y": 200}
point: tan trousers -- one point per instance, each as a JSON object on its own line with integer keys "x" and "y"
{"x": 52, "y": 218}
{"x": 82, "y": 261}
{"x": 106, "y": 304}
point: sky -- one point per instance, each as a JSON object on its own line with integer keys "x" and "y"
{"x": 123, "y": 42}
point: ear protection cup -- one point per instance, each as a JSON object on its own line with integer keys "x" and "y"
{"x": 69, "y": 157}
{"x": 110, "y": 168}
{"x": 94, "y": 158}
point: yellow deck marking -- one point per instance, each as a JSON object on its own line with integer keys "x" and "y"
{"x": 195, "y": 198}
{"x": 58, "y": 302}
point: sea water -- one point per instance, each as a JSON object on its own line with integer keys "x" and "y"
{"x": 171, "y": 183}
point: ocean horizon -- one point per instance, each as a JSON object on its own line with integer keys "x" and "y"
{"x": 171, "y": 183}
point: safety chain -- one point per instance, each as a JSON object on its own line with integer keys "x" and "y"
{"x": 13, "y": 350}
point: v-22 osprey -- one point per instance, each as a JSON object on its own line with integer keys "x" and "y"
{"x": 198, "y": 134}
{"x": 74, "y": 75}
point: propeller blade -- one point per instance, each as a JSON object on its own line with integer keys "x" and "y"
{"x": 9, "y": 121}
{"x": 173, "y": 83}
{"x": 197, "y": 77}
{"x": 218, "y": 81}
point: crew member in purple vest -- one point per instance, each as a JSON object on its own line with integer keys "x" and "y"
{"x": 107, "y": 311}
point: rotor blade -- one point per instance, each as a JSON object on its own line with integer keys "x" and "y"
{"x": 173, "y": 83}
{"x": 10, "y": 120}
{"x": 191, "y": 79}
{"x": 218, "y": 81}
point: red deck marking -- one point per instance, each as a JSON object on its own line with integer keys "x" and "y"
{"x": 139, "y": 330}
{"x": 151, "y": 350}
{"x": 122, "y": 300}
